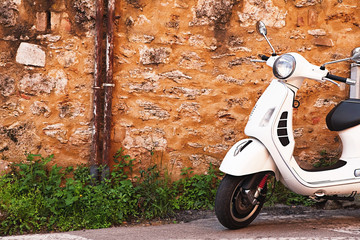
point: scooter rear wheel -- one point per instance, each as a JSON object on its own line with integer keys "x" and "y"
{"x": 232, "y": 208}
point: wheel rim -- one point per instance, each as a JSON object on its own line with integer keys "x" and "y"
{"x": 241, "y": 210}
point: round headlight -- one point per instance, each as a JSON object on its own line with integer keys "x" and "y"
{"x": 284, "y": 66}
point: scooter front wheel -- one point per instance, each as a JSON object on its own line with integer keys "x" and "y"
{"x": 232, "y": 207}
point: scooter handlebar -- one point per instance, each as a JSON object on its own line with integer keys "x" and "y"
{"x": 341, "y": 79}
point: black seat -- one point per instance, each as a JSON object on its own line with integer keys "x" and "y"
{"x": 345, "y": 115}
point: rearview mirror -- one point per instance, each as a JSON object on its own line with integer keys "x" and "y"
{"x": 261, "y": 28}
{"x": 355, "y": 54}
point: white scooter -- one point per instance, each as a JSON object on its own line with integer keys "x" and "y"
{"x": 269, "y": 148}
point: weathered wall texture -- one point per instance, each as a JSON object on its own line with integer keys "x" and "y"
{"x": 184, "y": 82}
{"x": 185, "y": 85}
{"x": 46, "y": 66}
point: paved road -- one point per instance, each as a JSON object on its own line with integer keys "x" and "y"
{"x": 286, "y": 223}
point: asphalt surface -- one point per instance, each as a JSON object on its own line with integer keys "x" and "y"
{"x": 279, "y": 223}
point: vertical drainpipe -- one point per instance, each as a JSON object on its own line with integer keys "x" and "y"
{"x": 95, "y": 141}
{"x": 355, "y": 74}
{"x": 108, "y": 86}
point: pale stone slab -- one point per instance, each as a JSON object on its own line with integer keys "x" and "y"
{"x": 30, "y": 54}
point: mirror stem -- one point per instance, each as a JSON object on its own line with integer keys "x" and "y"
{"x": 274, "y": 53}
{"x": 336, "y": 61}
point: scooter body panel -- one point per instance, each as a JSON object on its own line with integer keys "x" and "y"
{"x": 246, "y": 157}
{"x": 265, "y": 118}
{"x": 271, "y": 123}
{"x": 351, "y": 143}
{"x": 271, "y": 143}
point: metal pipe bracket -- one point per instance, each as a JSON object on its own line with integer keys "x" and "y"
{"x": 355, "y": 75}
{"x": 108, "y": 85}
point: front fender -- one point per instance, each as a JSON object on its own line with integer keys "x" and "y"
{"x": 248, "y": 156}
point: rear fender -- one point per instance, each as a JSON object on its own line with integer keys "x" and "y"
{"x": 246, "y": 157}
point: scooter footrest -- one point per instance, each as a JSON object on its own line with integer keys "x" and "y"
{"x": 350, "y": 198}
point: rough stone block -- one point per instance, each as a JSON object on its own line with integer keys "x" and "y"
{"x": 181, "y": 4}
{"x": 323, "y": 41}
{"x": 300, "y": 22}
{"x": 66, "y": 25}
{"x": 49, "y": 38}
{"x": 190, "y": 110}
{"x": 56, "y": 131}
{"x": 306, "y": 3}
{"x": 191, "y": 60}
{"x": 147, "y": 138}
{"x": 41, "y": 21}
{"x": 141, "y": 38}
{"x": 85, "y": 10}
{"x": 70, "y": 109}
{"x": 152, "y": 111}
{"x": 176, "y": 75}
{"x": 154, "y": 55}
{"x": 67, "y": 58}
{"x": 8, "y": 13}
{"x": 80, "y": 137}
{"x": 55, "y": 19}
{"x": 143, "y": 87}
{"x": 199, "y": 159}
{"x": 312, "y": 17}
{"x": 228, "y": 79}
{"x": 35, "y": 84}
{"x": 297, "y": 34}
{"x": 212, "y": 11}
{"x": 189, "y": 93}
{"x": 59, "y": 80}
{"x": 201, "y": 41}
{"x": 18, "y": 138}
{"x": 59, "y": 5}
{"x": 235, "y": 43}
{"x": 270, "y": 14}
{"x": 7, "y": 85}
{"x": 30, "y": 54}
{"x": 215, "y": 149}
{"x": 119, "y": 133}
{"x": 317, "y": 32}
{"x": 4, "y": 167}
{"x": 237, "y": 62}
{"x": 40, "y": 108}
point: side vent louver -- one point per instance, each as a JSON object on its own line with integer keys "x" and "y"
{"x": 282, "y": 129}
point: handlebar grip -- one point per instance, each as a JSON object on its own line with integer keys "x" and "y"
{"x": 263, "y": 57}
{"x": 336, "y": 78}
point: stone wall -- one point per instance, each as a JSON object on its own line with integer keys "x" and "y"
{"x": 46, "y": 66}
{"x": 184, "y": 83}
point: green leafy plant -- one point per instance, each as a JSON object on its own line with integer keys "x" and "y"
{"x": 325, "y": 160}
{"x": 34, "y": 197}
{"x": 198, "y": 191}
{"x": 280, "y": 194}
{"x": 155, "y": 193}
{"x": 38, "y": 197}
{"x": 123, "y": 167}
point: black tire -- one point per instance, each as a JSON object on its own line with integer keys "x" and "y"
{"x": 231, "y": 208}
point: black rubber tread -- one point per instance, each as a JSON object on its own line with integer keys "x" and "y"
{"x": 223, "y": 203}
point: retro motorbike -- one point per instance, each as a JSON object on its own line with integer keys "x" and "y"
{"x": 268, "y": 150}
